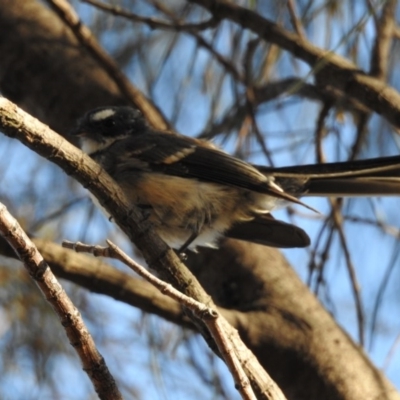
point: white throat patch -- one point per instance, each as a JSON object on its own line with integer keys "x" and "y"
{"x": 90, "y": 146}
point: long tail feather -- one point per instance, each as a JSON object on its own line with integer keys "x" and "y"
{"x": 377, "y": 176}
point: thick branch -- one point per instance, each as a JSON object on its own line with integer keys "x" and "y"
{"x": 17, "y": 124}
{"x": 293, "y": 336}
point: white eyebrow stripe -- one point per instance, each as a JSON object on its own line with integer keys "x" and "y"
{"x": 103, "y": 114}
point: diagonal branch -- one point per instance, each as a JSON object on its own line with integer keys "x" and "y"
{"x": 15, "y": 123}
{"x": 78, "y": 334}
{"x": 85, "y": 37}
{"x": 329, "y": 69}
{"x": 210, "y": 317}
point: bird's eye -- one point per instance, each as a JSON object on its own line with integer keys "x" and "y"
{"x": 109, "y": 122}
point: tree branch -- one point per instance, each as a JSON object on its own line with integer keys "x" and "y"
{"x": 329, "y": 69}
{"x": 78, "y": 334}
{"x": 17, "y": 124}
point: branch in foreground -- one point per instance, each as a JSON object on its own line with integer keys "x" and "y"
{"x": 16, "y": 123}
{"x": 78, "y": 334}
{"x": 209, "y": 316}
{"x": 100, "y": 277}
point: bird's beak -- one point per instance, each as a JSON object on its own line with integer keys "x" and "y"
{"x": 77, "y": 132}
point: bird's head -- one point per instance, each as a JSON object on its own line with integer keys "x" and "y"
{"x": 101, "y": 127}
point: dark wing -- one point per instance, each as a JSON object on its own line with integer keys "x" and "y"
{"x": 375, "y": 176}
{"x": 185, "y": 157}
{"x": 271, "y": 232}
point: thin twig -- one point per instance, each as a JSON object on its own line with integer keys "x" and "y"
{"x": 337, "y": 220}
{"x": 209, "y": 316}
{"x": 175, "y": 25}
{"x": 391, "y": 352}
{"x": 387, "y": 276}
{"x": 320, "y": 131}
{"x": 63, "y": 209}
{"x": 328, "y": 68}
{"x": 153, "y": 23}
{"x": 295, "y": 20}
{"x": 323, "y": 256}
{"x": 224, "y": 61}
{"x": 379, "y": 58}
{"x": 113, "y": 251}
{"x": 78, "y": 334}
{"x": 384, "y": 227}
{"x": 380, "y": 54}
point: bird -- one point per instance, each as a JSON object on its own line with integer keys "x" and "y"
{"x": 194, "y": 193}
